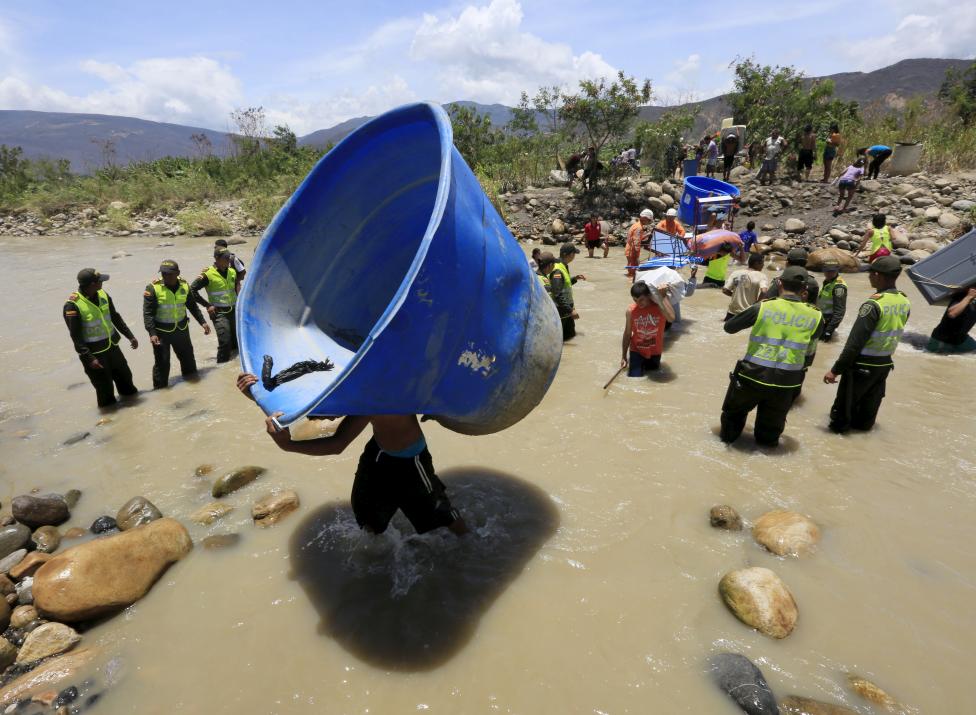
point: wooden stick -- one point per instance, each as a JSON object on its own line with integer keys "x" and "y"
{"x": 615, "y": 375}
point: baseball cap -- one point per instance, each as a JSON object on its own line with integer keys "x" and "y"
{"x": 545, "y": 257}
{"x": 87, "y": 276}
{"x": 671, "y": 213}
{"x": 221, "y": 242}
{"x": 169, "y": 267}
{"x": 797, "y": 256}
{"x": 647, "y": 213}
{"x": 568, "y": 248}
{"x": 795, "y": 274}
{"x": 831, "y": 264}
{"x": 221, "y": 252}
{"x": 887, "y": 266}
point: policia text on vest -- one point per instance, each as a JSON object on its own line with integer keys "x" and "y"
{"x": 94, "y": 326}
{"x": 164, "y": 307}
{"x": 768, "y": 378}
{"x": 220, "y": 281}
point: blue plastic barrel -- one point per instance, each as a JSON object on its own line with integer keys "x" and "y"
{"x": 689, "y": 167}
{"x": 390, "y": 261}
{"x": 700, "y": 187}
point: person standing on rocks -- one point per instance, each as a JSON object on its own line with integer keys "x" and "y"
{"x": 866, "y": 360}
{"x": 730, "y": 147}
{"x": 771, "y": 374}
{"x": 395, "y": 470}
{"x": 880, "y": 237}
{"x": 832, "y": 299}
{"x": 748, "y": 238}
{"x": 593, "y": 231}
{"x": 221, "y": 283}
{"x": 636, "y": 235}
{"x": 711, "y": 156}
{"x": 562, "y": 289}
{"x": 94, "y": 326}
{"x": 878, "y": 153}
{"x": 847, "y": 184}
{"x": 773, "y": 147}
{"x": 951, "y": 335}
{"x": 164, "y": 305}
{"x": 808, "y": 147}
{"x": 833, "y": 145}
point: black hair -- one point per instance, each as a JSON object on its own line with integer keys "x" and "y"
{"x": 879, "y": 220}
{"x": 808, "y": 128}
{"x": 793, "y": 286}
{"x": 639, "y": 289}
{"x": 862, "y": 151}
{"x": 536, "y": 251}
{"x": 834, "y": 127}
{"x": 751, "y": 225}
{"x": 221, "y": 242}
{"x": 755, "y": 259}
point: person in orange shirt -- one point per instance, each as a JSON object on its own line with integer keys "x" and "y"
{"x": 635, "y": 239}
{"x": 670, "y": 224}
{"x": 643, "y": 338}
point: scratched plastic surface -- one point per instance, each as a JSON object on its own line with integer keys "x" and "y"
{"x": 390, "y": 261}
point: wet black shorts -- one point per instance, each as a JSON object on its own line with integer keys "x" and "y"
{"x": 805, "y": 159}
{"x": 384, "y": 484}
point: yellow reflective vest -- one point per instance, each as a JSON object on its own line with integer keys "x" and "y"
{"x": 221, "y": 290}
{"x": 96, "y": 322}
{"x": 171, "y": 306}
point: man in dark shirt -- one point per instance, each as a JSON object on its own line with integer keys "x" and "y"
{"x": 94, "y": 326}
{"x": 164, "y": 305}
{"x": 866, "y": 360}
{"x": 796, "y": 257}
{"x": 951, "y": 335}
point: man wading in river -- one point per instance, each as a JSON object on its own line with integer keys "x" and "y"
{"x": 395, "y": 470}
{"x": 221, "y": 283}
{"x": 164, "y": 305}
{"x": 94, "y": 325}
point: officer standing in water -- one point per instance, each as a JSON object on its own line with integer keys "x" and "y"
{"x": 866, "y": 359}
{"x": 770, "y": 375}
{"x": 94, "y": 326}
{"x": 164, "y": 305}
{"x": 221, "y": 283}
{"x": 832, "y": 299}
{"x": 395, "y": 470}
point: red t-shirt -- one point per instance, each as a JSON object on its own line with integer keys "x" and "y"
{"x": 646, "y": 330}
{"x": 592, "y": 231}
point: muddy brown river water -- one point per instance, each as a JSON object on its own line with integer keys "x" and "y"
{"x": 589, "y": 583}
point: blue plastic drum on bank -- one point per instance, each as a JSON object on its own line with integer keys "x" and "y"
{"x": 700, "y": 187}
{"x": 390, "y": 262}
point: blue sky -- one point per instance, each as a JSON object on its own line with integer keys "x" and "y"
{"x": 314, "y": 64}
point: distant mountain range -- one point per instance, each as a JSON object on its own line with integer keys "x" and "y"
{"x": 89, "y": 140}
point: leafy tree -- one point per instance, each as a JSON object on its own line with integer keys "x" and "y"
{"x": 473, "y": 133}
{"x": 250, "y": 123}
{"x": 656, "y": 139}
{"x": 14, "y": 176}
{"x": 523, "y": 122}
{"x": 284, "y": 140}
{"x": 958, "y": 92}
{"x": 768, "y": 97}
{"x": 605, "y": 110}
{"x": 548, "y": 102}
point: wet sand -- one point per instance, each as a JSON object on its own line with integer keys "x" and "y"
{"x": 589, "y": 584}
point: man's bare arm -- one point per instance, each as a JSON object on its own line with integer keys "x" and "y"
{"x": 350, "y": 428}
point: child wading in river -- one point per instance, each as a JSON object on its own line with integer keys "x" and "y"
{"x": 643, "y": 338}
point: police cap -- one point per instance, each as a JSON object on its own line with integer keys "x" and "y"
{"x": 796, "y": 257}
{"x": 568, "y": 248}
{"x": 795, "y": 276}
{"x": 87, "y": 276}
{"x": 222, "y": 252}
{"x": 831, "y": 264}
{"x": 169, "y": 267}
{"x": 886, "y": 266}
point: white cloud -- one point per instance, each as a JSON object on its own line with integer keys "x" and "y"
{"x": 484, "y": 54}
{"x": 185, "y": 90}
{"x": 939, "y": 28}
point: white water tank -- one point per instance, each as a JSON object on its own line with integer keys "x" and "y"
{"x": 905, "y": 159}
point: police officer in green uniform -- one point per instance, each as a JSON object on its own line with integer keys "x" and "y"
{"x": 94, "y": 326}
{"x": 164, "y": 305}
{"x": 796, "y": 257}
{"x": 772, "y": 371}
{"x": 561, "y": 288}
{"x": 866, "y": 359}
{"x": 832, "y": 299}
{"x": 221, "y": 283}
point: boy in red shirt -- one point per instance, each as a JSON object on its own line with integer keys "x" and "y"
{"x": 644, "y": 330}
{"x": 594, "y": 236}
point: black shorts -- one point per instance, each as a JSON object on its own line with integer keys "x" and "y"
{"x": 728, "y": 161}
{"x": 385, "y": 483}
{"x": 805, "y": 159}
{"x": 594, "y": 244}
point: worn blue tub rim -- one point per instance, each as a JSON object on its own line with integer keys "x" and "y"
{"x": 377, "y": 124}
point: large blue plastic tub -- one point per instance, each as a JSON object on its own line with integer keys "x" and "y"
{"x": 390, "y": 261}
{"x": 700, "y": 187}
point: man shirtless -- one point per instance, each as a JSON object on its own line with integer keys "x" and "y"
{"x": 395, "y": 470}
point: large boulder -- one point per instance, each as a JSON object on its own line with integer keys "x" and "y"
{"x": 50, "y": 675}
{"x": 657, "y": 205}
{"x": 848, "y": 263}
{"x": 923, "y": 244}
{"x": 900, "y": 237}
{"x": 558, "y": 227}
{"x": 34, "y": 511}
{"x": 559, "y": 177}
{"x": 652, "y": 188}
{"x": 47, "y": 640}
{"x": 786, "y": 533}
{"x": 794, "y": 226}
{"x": 962, "y": 205}
{"x": 760, "y": 599}
{"x": 740, "y": 679}
{"x": 108, "y": 574}
{"x": 871, "y": 185}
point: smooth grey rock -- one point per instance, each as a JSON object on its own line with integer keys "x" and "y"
{"x": 742, "y": 681}
{"x": 34, "y": 511}
{"x": 12, "y": 538}
{"x": 25, "y": 593}
{"x": 11, "y": 560}
{"x": 76, "y": 437}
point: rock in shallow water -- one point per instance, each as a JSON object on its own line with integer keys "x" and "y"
{"x": 209, "y": 513}
{"x": 786, "y": 533}
{"x": 47, "y": 640}
{"x": 221, "y": 541}
{"x": 29, "y": 565}
{"x": 760, "y": 599}
{"x": 13, "y": 537}
{"x": 49, "y": 674}
{"x": 105, "y": 575}
{"x": 11, "y": 560}
{"x": 23, "y": 615}
{"x": 136, "y": 512}
{"x": 232, "y": 481}
{"x": 869, "y": 691}
{"x": 725, "y": 517}
{"x": 34, "y": 511}
{"x": 270, "y": 509}
{"x": 46, "y": 539}
{"x": 796, "y": 705}
{"x": 742, "y": 681}
{"x": 103, "y": 524}
{"x": 8, "y": 653}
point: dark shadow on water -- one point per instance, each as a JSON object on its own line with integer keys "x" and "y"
{"x": 747, "y": 442}
{"x": 663, "y": 374}
{"x": 408, "y": 602}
